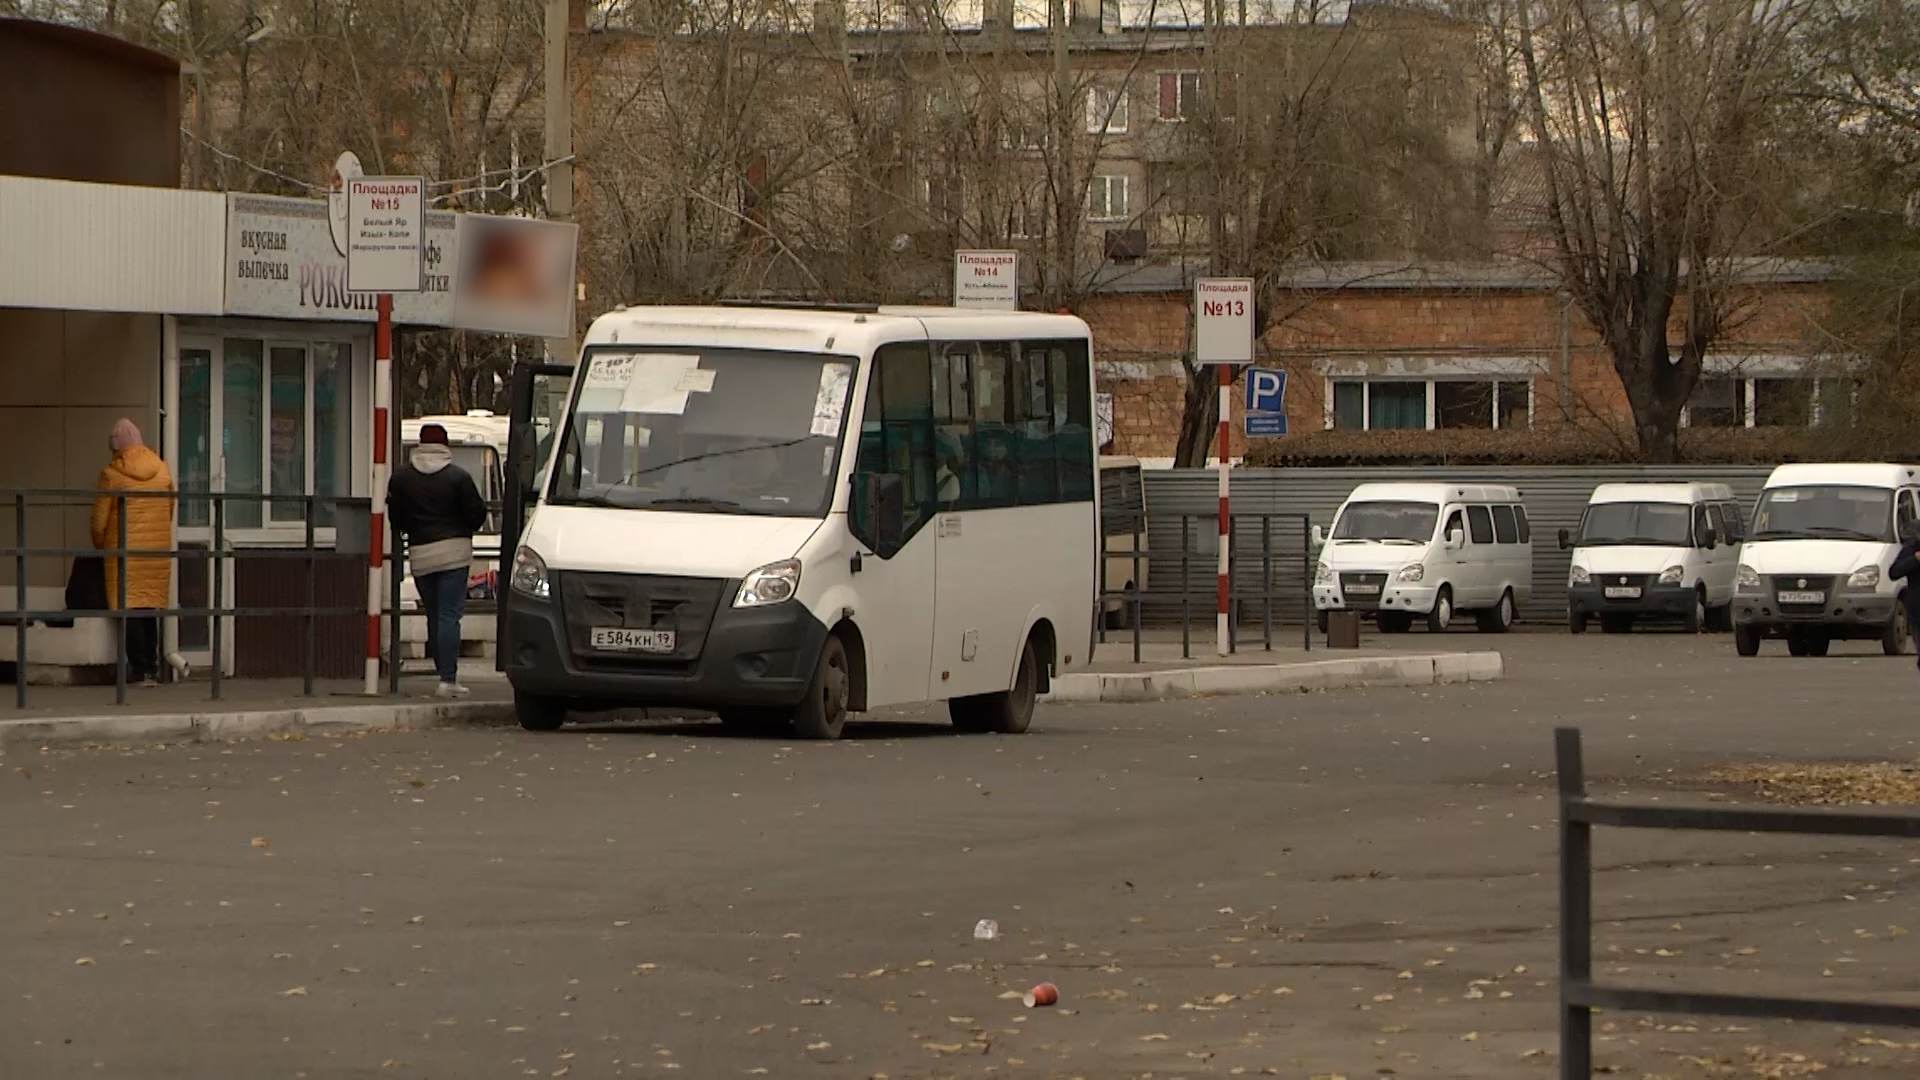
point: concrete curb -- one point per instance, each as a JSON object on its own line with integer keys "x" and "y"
{"x": 1173, "y": 684}
{"x": 216, "y": 726}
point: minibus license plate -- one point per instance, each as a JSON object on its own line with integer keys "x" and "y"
{"x": 620, "y": 639}
{"x": 1623, "y": 592}
{"x": 1792, "y": 597}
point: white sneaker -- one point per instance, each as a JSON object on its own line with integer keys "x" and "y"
{"x": 451, "y": 690}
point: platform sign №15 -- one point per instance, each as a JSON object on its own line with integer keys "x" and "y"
{"x": 386, "y": 233}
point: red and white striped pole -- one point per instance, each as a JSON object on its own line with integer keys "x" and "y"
{"x": 382, "y": 469}
{"x": 1226, "y": 522}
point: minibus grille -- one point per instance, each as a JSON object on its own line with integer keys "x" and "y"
{"x": 1362, "y": 590}
{"x": 683, "y": 605}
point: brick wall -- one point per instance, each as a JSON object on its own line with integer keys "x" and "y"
{"x": 1139, "y": 339}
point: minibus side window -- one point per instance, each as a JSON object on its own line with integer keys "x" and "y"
{"x": 1480, "y": 524}
{"x": 1454, "y": 525}
{"x": 1504, "y": 529}
{"x": 1520, "y": 519}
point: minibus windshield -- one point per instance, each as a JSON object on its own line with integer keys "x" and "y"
{"x": 1408, "y": 522}
{"x": 1638, "y": 523}
{"x": 707, "y": 430}
{"x": 1824, "y": 512}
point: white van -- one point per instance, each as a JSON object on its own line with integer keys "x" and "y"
{"x": 1813, "y": 568}
{"x": 1654, "y": 551}
{"x": 1405, "y": 551}
{"x": 786, "y": 515}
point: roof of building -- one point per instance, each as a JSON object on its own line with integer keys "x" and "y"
{"x": 72, "y": 37}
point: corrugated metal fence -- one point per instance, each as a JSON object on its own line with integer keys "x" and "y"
{"x": 1554, "y": 498}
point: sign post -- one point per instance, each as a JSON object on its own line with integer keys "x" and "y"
{"x": 385, "y": 234}
{"x": 1223, "y": 337}
{"x": 989, "y": 280}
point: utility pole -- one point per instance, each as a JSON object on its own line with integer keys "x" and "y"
{"x": 559, "y": 109}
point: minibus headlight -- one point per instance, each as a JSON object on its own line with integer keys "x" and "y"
{"x": 530, "y": 574}
{"x": 1322, "y": 573}
{"x": 1672, "y": 575}
{"x": 773, "y": 583}
{"x": 1867, "y": 577}
{"x": 1411, "y": 572}
{"x": 1746, "y": 577}
{"x": 1580, "y": 575}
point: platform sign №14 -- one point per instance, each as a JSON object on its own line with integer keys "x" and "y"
{"x": 988, "y": 280}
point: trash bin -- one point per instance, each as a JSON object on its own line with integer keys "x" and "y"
{"x": 1343, "y": 629}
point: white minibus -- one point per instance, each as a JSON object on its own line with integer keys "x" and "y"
{"x": 1654, "y": 551}
{"x": 786, "y": 515}
{"x": 1813, "y": 568}
{"x": 1425, "y": 550}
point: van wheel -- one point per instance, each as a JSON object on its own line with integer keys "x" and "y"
{"x": 1897, "y": 638}
{"x": 1394, "y": 622}
{"x": 1720, "y": 619}
{"x": 1577, "y": 622}
{"x": 1746, "y": 640}
{"x": 537, "y": 713}
{"x": 1796, "y": 643}
{"x": 1696, "y": 617}
{"x": 1322, "y": 620}
{"x": 1441, "y": 616}
{"x": 1500, "y": 619}
{"x": 822, "y": 714}
{"x": 1009, "y": 712}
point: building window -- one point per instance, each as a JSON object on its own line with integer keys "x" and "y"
{"x": 1180, "y": 95}
{"x": 1107, "y": 198}
{"x": 1729, "y": 401}
{"x": 1107, "y": 111}
{"x": 1416, "y": 404}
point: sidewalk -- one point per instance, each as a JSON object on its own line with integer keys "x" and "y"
{"x": 247, "y": 707}
{"x": 1162, "y": 673}
{"x": 255, "y": 707}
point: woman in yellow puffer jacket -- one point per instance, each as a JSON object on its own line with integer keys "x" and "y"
{"x": 136, "y": 468}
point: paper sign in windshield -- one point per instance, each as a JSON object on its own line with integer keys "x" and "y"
{"x": 697, "y": 381}
{"x": 830, "y": 403}
{"x": 655, "y": 385}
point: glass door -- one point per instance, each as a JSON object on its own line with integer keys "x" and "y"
{"x": 535, "y": 413}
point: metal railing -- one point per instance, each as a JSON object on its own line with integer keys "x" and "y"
{"x": 217, "y": 554}
{"x": 1196, "y": 567}
{"x": 1580, "y": 995}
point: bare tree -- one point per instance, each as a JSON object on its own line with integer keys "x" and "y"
{"x": 1653, "y": 125}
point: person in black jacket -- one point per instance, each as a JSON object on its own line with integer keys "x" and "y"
{"x": 1906, "y": 567}
{"x": 438, "y": 508}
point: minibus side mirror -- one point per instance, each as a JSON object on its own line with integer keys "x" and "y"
{"x": 880, "y": 500}
{"x": 1566, "y": 539}
{"x": 1456, "y": 540}
{"x": 1319, "y": 537}
{"x": 1712, "y": 539}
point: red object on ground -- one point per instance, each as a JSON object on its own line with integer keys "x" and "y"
{"x": 1041, "y": 996}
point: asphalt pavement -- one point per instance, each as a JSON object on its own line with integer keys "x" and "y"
{"x": 1358, "y": 883}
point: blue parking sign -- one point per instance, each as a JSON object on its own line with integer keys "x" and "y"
{"x": 1266, "y": 390}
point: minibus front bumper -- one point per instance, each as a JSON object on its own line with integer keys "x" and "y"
{"x": 1414, "y": 599}
{"x": 760, "y": 657}
{"x": 1657, "y": 601}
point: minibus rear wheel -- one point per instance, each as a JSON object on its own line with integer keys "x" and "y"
{"x": 1009, "y": 712}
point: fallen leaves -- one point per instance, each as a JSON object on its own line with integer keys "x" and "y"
{"x": 262, "y": 842}
{"x": 1870, "y": 783}
{"x": 296, "y": 991}
{"x": 85, "y": 961}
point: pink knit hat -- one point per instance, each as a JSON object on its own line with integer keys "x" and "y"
{"x": 126, "y": 435}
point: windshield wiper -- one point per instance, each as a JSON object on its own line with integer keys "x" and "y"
{"x": 692, "y": 502}
{"x": 709, "y": 455}
{"x": 1841, "y": 531}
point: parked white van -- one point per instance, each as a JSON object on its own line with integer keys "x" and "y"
{"x": 1813, "y": 568}
{"x": 1654, "y": 551}
{"x": 1405, "y": 551}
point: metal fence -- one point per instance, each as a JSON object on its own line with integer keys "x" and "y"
{"x": 1271, "y": 577}
{"x": 1580, "y": 995}
{"x": 350, "y": 517}
{"x": 1554, "y": 497}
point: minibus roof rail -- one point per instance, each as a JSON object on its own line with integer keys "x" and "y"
{"x": 798, "y": 305}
